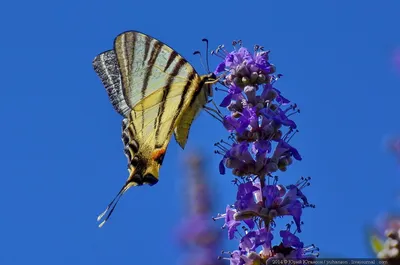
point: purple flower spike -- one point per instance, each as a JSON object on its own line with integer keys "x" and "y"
{"x": 261, "y": 125}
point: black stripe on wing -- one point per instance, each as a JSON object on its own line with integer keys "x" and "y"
{"x": 198, "y": 90}
{"x": 183, "y": 98}
{"x": 155, "y": 51}
{"x": 124, "y": 45}
{"x": 171, "y": 58}
{"x": 157, "y": 123}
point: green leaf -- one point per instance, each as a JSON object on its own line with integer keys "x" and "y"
{"x": 376, "y": 243}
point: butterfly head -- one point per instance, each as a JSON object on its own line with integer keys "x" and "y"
{"x": 211, "y": 79}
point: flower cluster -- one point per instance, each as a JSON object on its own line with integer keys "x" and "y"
{"x": 196, "y": 232}
{"x": 386, "y": 240}
{"x": 261, "y": 127}
{"x": 385, "y": 237}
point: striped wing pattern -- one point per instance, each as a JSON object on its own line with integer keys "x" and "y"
{"x": 106, "y": 67}
{"x": 158, "y": 92}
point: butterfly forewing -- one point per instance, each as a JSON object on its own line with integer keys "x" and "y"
{"x": 146, "y": 65}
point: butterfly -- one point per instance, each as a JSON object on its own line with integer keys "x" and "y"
{"x": 158, "y": 93}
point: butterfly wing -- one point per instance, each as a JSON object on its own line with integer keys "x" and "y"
{"x": 194, "y": 107}
{"x": 106, "y": 67}
{"x": 162, "y": 91}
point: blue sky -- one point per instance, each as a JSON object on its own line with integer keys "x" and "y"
{"x": 61, "y": 153}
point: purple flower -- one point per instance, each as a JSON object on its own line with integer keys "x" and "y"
{"x": 279, "y": 117}
{"x": 280, "y": 202}
{"x": 290, "y": 240}
{"x": 245, "y": 197}
{"x": 230, "y": 222}
{"x": 254, "y": 239}
{"x": 261, "y": 146}
{"x": 270, "y": 93}
{"x": 234, "y": 93}
{"x": 238, "y": 157}
{"x": 245, "y": 201}
{"x": 235, "y": 258}
{"x": 250, "y": 114}
{"x": 284, "y": 149}
{"x": 236, "y": 58}
{"x": 232, "y": 124}
{"x": 220, "y": 68}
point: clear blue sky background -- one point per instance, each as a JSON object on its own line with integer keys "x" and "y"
{"x": 61, "y": 153}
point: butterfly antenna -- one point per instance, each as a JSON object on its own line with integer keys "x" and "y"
{"x": 208, "y": 65}
{"x": 201, "y": 59}
{"x": 111, "y": 206}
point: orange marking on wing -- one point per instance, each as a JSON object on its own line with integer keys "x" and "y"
{"x": 158, "y": 154}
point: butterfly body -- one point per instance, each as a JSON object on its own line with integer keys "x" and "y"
{"x": 158, "y": 93}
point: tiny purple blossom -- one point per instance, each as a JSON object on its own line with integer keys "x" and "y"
{"x": 284, "y": 149}
{"x": 237, "y": 157}
{"x": 287, "y": 204}
{"x": 230, "y": 222}
{"x": 235, "y": 258}
{"x": 254, "y": 239}
{"x": 269, "y": 93}
{"x": 233, "y": 94}
{"x": 220, "y": 68}
{"x": 245, "y": 197}
{"x": 238, "y": 57}
{"x": 290, "y": 240}
{"x": 279, "y": 116}
{"x": 250, "y": 114}
{"x": 233, "y": 124}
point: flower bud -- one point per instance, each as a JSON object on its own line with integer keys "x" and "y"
{"x": 272, "y": 69}
{"x": 272, "y": 167}
{"x": 245, "y": 80}
{"x": 242, "y": 70}
{"x": 261, "y": 79}
{"x": 250, "y": 92}
{"x": 253, "y": 77}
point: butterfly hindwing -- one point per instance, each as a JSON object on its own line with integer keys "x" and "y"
{"x": 183, "y": 127}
